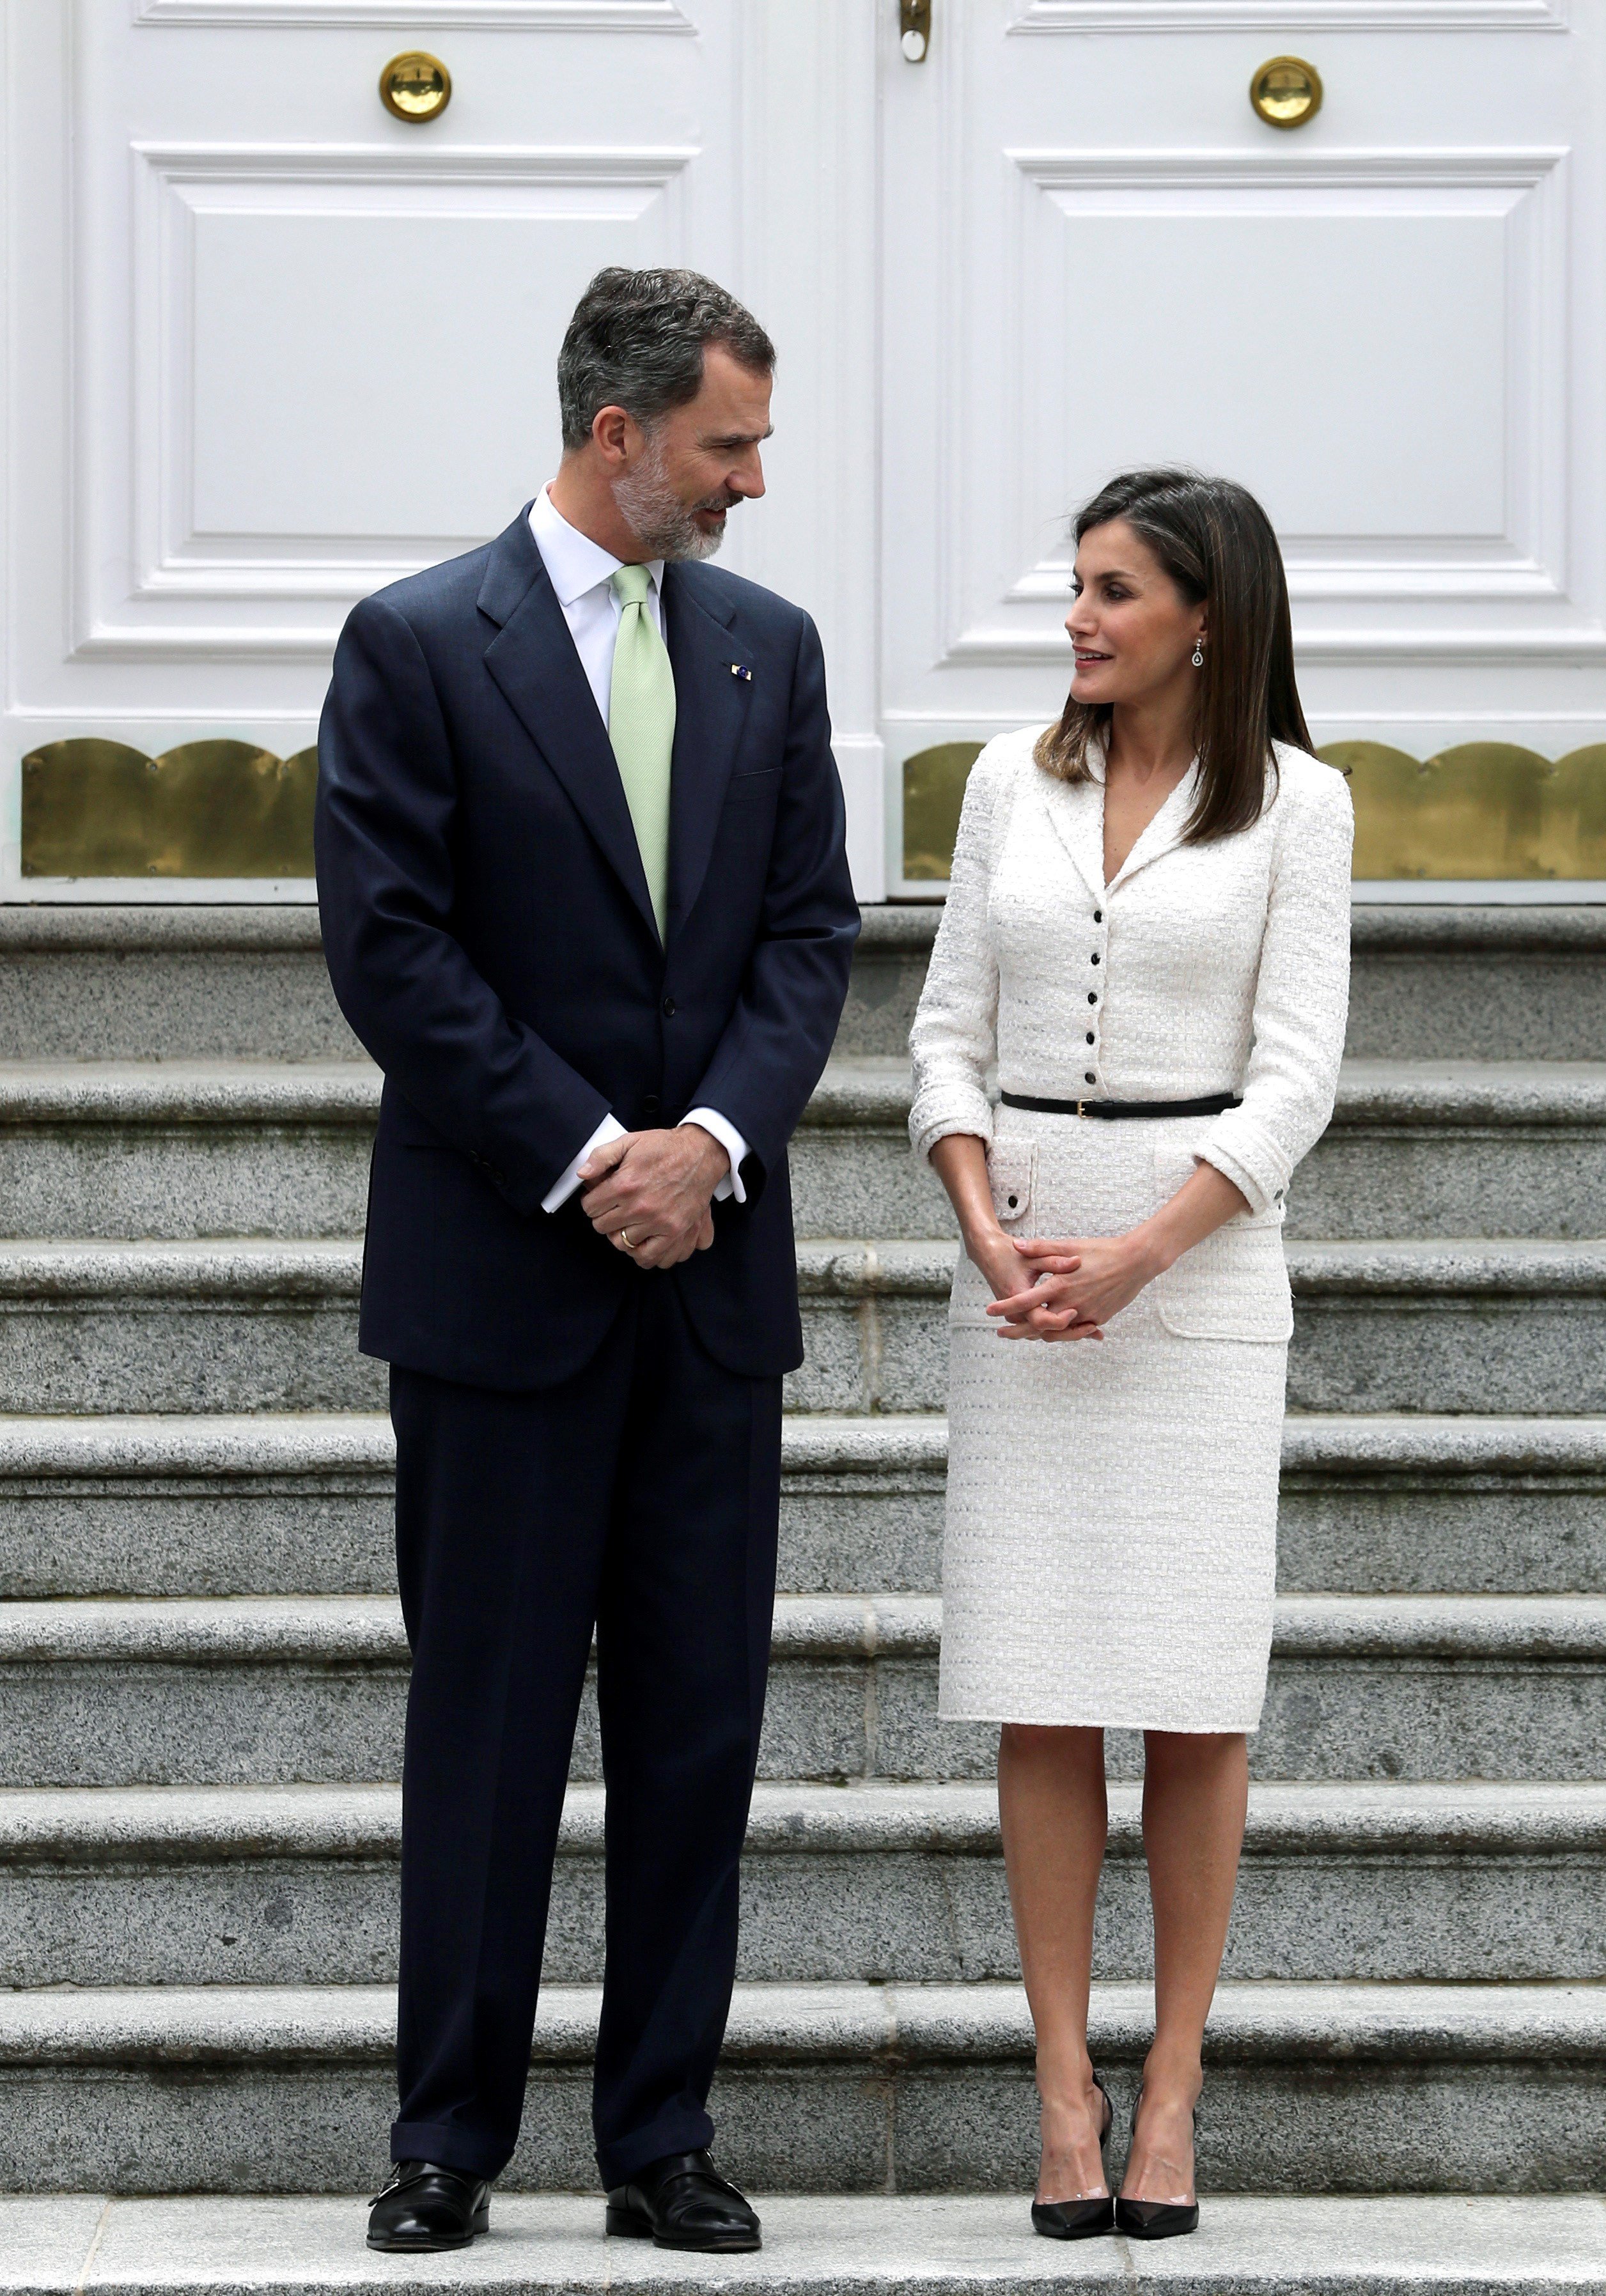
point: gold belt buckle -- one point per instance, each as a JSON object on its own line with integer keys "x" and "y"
{"x": 1080, "y": 1108}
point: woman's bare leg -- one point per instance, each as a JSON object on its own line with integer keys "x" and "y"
{"x": 1053, "y": 1813}
{"x": 1196, "y": 1789}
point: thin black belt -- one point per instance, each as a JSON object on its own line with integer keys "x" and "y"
{"x": 1211, "y": 1104}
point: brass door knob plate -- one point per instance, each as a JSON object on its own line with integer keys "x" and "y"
{"x": 415, "y": 86}
{"x": 1287, "y": 92}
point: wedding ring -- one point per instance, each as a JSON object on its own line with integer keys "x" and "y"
{"x": 624, "y": 1238}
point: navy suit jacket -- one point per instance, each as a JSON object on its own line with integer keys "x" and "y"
{"x": 490, "y": 940}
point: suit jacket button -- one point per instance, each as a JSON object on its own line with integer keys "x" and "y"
{"x": 669, "y": 1008}
{"x": 649, "y": 1103}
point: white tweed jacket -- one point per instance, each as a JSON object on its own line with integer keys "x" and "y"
{"x": 1200, "y": 969}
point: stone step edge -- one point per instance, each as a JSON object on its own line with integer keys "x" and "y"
{"x": 179, "y": 1825}
{"x": 831, "y": 2245}
{"x": 855, "y": 1093}
{"x": 1265, "y": 2022}
{"x": 908, "y": 927}
{"x": 73, "y": 1268}
{"x": 178, "y": 1445}
{"x": 867, "y": 1092}
{"x": 348, "y": 1630}
{"x": 853, "y": 1268}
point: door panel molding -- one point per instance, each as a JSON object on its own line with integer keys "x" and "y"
{"x": 1290, "y": 16}
{"x": 1374, "y": 596}
{"x": 159, "y": 577}
{"x": 422, "y": 15}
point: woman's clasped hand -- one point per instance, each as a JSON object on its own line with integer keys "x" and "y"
{"x": 1065, "y": 1288}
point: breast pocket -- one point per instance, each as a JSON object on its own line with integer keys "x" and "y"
{"x": 749, "y": 789}
{"x": 1234, "y": 1286}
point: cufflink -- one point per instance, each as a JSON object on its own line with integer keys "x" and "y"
{"x": 745, "y": 676}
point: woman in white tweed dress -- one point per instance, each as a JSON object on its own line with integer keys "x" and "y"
{"x": 1147, "y": 931}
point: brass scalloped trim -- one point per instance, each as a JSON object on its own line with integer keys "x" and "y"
{"x": 1486, "y": 809}
{"x": 1483, "y": 810}
{"x": 223, "y": 809}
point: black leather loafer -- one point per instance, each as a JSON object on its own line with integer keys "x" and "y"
{"x": 683, "y": 2201}
{"x": 425, "y": 2207}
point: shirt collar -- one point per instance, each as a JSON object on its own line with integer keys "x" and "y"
{"x": 575, "y": 563}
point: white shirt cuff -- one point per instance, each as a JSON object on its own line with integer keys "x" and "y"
{"x": 560, "y": 1190}
{"x": 731, "y": 1140}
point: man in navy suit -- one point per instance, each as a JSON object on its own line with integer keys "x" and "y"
{"x": 585, "y": 900}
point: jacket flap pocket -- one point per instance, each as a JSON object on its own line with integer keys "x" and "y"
{"x": 1234, "y": 1286}
{"x": 1012, "y": 1169}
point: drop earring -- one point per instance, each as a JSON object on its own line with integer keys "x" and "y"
{"x": 1198, "y": 653}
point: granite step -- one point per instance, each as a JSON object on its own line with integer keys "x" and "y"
{"x": 1310, "y": 2088}
{"x": 106, "y": 983}
{"x": 1427, "y": 982}
{"x": 1416, "y": 1148}
{"x": 1415, "y": 1503}
{"x": 298, "y": 1885}
{"x": 269, "y": 1504}
{"x": 171, "y": 1149}
{"x": 291, "y": 1503}
{"x": 166, "y": 1149}
{"x": 233, "y": 1325}
{"x": 275, "y": 1690}
{"x": 837, "y": 2244}
{"x": 1448, "y": 1325}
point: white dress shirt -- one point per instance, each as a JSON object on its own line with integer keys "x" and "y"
{"x": 581, "y": 573}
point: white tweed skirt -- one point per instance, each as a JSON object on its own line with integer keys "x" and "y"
{"x": 1111, "y": 1539}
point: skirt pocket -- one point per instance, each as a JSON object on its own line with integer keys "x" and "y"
{"x": 1234, "y": 1286}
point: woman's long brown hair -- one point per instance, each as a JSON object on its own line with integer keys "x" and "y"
{"x": 1216, "y": 544}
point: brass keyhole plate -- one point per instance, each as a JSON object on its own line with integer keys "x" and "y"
{"x": 415, "y": 86}
{"x": 1287, "y": 92}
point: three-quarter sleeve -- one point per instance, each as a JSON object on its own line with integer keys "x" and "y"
{"x": 954, "y": 1040}
{"x": 1301, "y": 995}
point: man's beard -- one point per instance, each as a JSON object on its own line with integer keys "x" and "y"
{"x": 663, "y": 524}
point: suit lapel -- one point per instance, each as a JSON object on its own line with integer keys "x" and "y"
{"x": 711, "y": 715}
{"x": 533, "y": 662}
{"x": 1164, "y": 834}
{"x": 1076, "y": 809}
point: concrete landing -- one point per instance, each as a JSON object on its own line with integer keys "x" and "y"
{"x": 816, "y": 2247}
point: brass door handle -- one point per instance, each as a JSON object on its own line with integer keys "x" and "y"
{"x": 1287, "y": 92}
{"x": 914, "y": 25}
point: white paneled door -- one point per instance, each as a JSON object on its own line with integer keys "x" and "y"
{"x": 1386, "y": 321}
{"x": 270, "y": 345}
{"x": 273, "y": 345}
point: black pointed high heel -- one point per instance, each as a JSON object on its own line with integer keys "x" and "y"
{"x": 1080, "y": 2219}
{"x": 1156, "y": 2219}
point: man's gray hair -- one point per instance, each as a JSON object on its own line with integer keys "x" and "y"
{"x": 637, "y": 340}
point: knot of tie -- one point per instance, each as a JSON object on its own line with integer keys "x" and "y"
{"x": 631, "y": 585}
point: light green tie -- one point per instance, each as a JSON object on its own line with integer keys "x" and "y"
{"x": 641, "y": 727}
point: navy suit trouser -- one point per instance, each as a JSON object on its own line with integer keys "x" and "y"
{"x": 640, "y": 1496}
